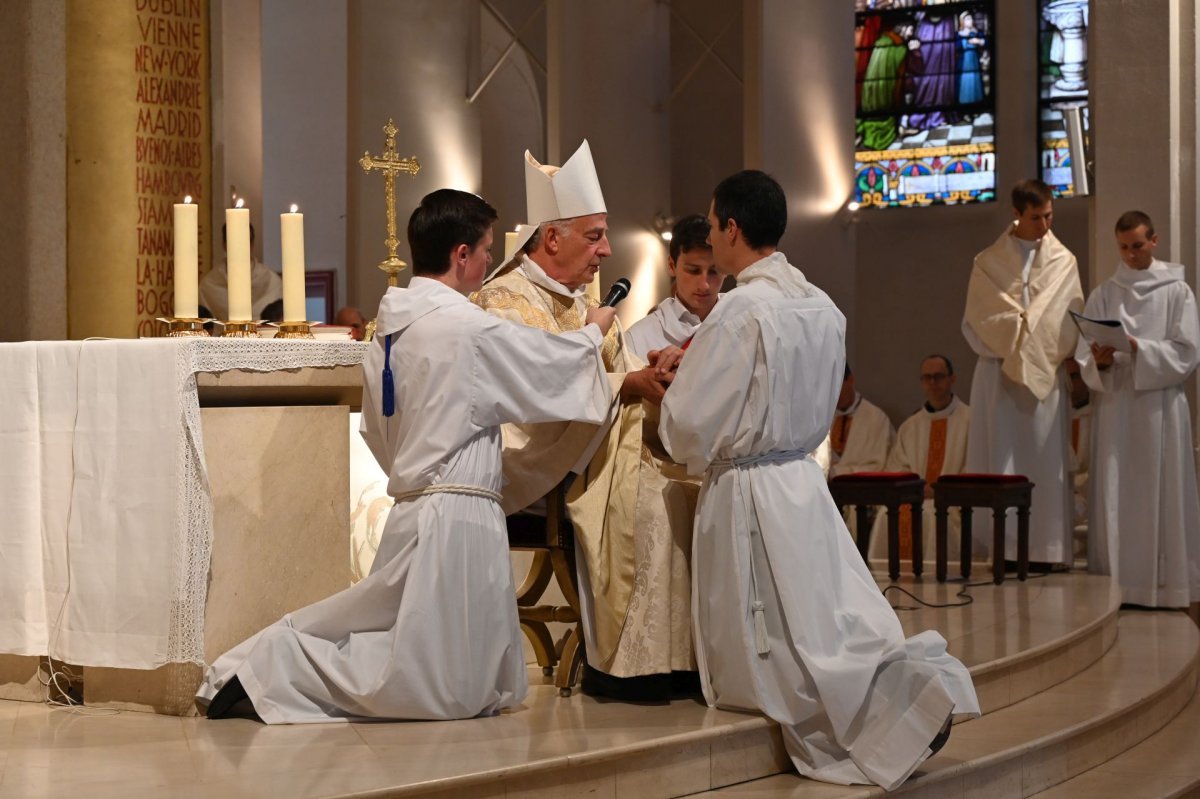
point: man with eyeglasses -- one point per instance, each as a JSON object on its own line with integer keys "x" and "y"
{"x": 931, "y": 442}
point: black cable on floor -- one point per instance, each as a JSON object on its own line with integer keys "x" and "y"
{"x": 963, "y": 593}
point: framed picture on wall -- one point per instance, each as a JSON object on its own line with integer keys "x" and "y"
{"x": 319, "y": 300}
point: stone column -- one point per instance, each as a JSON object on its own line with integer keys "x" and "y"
{"x": 33, "y": 194}
{"x": 609, "y": 75}
{"x": 138, "y": 141}
{"x": 1144, "y": 118}
{"x": 799, "y": 127}
{"x": 408, "y": 61}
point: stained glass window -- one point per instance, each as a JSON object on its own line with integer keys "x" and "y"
{"x": 1063, "y": 91}
{"x": 925, "y": 117}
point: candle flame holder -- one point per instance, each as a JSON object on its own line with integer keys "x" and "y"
{"x": 294, "y": 330}
{"x": 185, "y": 327}
{"x": 240, "y": 330}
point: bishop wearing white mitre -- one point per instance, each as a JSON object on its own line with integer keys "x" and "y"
{"x": 632, "y": 561}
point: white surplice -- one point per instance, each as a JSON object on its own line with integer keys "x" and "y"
{"x": 1018, "y": 299}
{"x": 870, "y": 438}
{"x": 1144, "y": 515}
{"x": 756, "y": 392}
{"x": 265, "y": 288}
{"x": 432, "y": 632}
{"x": 670, "y": 323}
{"x": 910, "y": 453}
{"x": 866, "y": 450}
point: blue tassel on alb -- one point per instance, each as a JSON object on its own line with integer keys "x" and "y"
{"x": 389, "y": 386}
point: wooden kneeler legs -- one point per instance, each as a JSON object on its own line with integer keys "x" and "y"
{"x": 551, "y": 538}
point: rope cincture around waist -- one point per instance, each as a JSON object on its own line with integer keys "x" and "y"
{"x": 450, "y": 488}
{"x": 758, "y": 608}
{"x": 778, "y": 456}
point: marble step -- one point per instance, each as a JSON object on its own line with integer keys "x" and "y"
{"x": 1164, "y": 766}
{"x": 1017, "y": 639}
{"x": 1126, "y": 696}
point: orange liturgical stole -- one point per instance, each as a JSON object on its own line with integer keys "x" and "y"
{"x": 934, "y": 460}
{"x": 840, "y": 433}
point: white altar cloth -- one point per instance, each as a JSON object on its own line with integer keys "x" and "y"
{"x": 105, "y": 511}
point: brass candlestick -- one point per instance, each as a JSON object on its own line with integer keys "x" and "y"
{"x": 240, "y": 330}
{"x": 184, "y": 327}
{"x": 294, "y": 330}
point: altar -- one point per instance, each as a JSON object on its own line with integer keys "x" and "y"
{"x": 162, "y": 500}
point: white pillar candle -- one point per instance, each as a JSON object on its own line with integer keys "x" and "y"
{"x": 237, "y": 259}
{"x": 510, "y": 245}
{"x": 187, "y": 277}
{"x": 291, "y": 227}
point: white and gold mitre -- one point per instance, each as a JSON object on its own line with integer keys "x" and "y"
{"x": 565, "y": 192}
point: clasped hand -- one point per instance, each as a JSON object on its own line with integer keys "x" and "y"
{"x": 651, "y": 383}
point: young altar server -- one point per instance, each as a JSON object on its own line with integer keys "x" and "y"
{"x": 788, "y": 620}
{"x": 1144, "y": 515}
{"x": 432, "y": 632}
{"x": 1016, "y": 319}
{"x": 696, "y": 286}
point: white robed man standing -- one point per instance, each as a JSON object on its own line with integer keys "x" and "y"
{"x": 432, "y": 632}
{"x": 788, "y": 619}
{"x": 695, "y": 289}
{"x": 1020, "y": 292}
{"x": 1144, "y": 515}
{"x": 930, "y": 443}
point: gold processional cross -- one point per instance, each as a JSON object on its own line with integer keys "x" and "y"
{"x": 390, "y": 164}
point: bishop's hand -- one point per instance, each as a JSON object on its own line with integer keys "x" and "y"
{"x": 602, "y": 317}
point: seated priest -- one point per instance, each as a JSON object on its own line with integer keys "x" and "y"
{"x": 635, "y": 589}
{"x": 859, "y": 440}
{"x": 861, "y": 435}
{"x": 432, "y": 632}
{"x": 695, "y": 287}
{"x": 265, "y": 286}
{"x": 930, "y": 443}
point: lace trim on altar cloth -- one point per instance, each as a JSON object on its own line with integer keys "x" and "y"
{"x": 194, "y": 512}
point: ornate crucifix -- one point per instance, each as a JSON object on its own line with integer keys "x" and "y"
{"x": 390, "y": 165}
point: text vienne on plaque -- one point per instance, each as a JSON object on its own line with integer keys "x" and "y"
{"x": 170, "y": 61}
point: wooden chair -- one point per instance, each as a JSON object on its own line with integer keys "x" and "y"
{"x": 996, "y": 491}
{"x": 552, "y": 540}
{"x": 891, "y": 490}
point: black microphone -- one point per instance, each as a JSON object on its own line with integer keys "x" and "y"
{"x": 618, "y": 292}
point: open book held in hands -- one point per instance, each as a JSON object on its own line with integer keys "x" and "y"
{"x": 1104, "y": 332}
